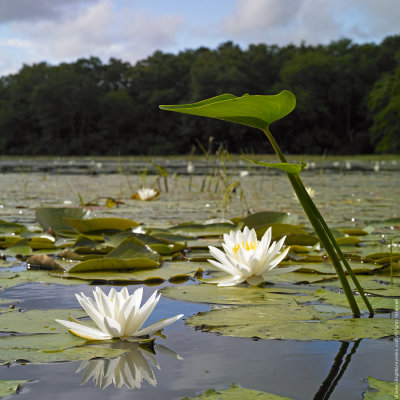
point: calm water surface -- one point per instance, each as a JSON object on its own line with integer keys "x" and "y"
{"x": 196, "y": 360}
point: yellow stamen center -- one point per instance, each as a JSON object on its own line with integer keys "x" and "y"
{"x": 245, "y": 245}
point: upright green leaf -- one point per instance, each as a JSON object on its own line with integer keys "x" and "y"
{"x": 251, "y": 110}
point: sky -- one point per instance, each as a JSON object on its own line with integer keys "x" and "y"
{"x": 55, "y": 31}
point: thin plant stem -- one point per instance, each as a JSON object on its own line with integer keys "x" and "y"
{"x": 324, "y": 234}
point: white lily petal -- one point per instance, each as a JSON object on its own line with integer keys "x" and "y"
{"x": 279, "y": 258}
{"x": 232, "y": 281}
{"x": 83, "y": 331}
{"x": 157, "y": 326}
{"x": 112, "y": 327}
{"x": 91, "y": 310}
{"x": 228, "y": 268}
{"x": 142, "y": 314}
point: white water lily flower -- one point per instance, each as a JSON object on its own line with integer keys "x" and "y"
{"x": 146, "y": 194}
{"x": 117, "y": 315}
{"x": 247, "y": 259}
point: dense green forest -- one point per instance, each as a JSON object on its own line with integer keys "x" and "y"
{"x": 348, "y": 101}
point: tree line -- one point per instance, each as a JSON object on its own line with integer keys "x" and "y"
{"x": 348, "y": 101}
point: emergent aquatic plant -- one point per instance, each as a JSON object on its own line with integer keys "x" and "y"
{"x": 259, "y": 112}
{"x": 117, "y": 315}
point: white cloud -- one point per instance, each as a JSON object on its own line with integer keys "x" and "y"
{"x": 100, "y": 30}
{"x": 313, "y": 21}
{"x": 17, "y": 10}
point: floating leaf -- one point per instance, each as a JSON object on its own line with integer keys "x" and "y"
{"x": 96, "y": 225}
{"x": 255, "y": 111}
{"x": 235, "y": 295}
{"x": 265, "y": 218}
{"x": 235, "y": 392}
{"x": 55, "y": 218}
{"x": 55, "y": 347}
{"x": 130, "y": 254}
{"x": 279, "y": 230}
{"x": 348, "y": 241}
{"x": 290, "y": 321}
{"x": 203, "y": 230}
{"x": 10, "y": 227}
{"x": 8, "y": 388}
{"x": 19, "y": 247}
{"x": 382, "y": 390}
{"x": 173, "y": 271}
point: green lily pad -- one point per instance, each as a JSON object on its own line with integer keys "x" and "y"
{"x": 172, "y": 271}
{"x": 279, "y": 230}
{"x": 339, "y": 299}
{"x": 10, "y": 227}
{"x": 46, "y": 348}
{"x": 36, "y": 321}
{"x": 203, "y": 230}
{"x": 55, "y": 218}
{"x": 97, "y": 225}
{"x": 289, "y": 321}
{"x": 10, "y": 279}
{"x": 264, "y": 218}
{"x": 326, "y": 267}
{"x": 235, "y": 295}
{"x": 19, "y": 247}
{"x": 235, "y": 392}
{"x": 382, "y": 390}
{"x": 10, "y": 387}
{"x": 129, "y": 255}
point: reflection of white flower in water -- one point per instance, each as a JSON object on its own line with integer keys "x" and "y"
{"x": 117, "y": 315}
{"x": 146, "y": 194}
{"x": 247, "y": 259}
{"x": 129, "y": 369}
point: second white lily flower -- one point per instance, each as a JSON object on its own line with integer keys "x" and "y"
{"x": 247, "y": 259}
{"x": 117, "y": 315}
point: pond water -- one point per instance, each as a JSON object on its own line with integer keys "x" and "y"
{"x": 188, "y": 361}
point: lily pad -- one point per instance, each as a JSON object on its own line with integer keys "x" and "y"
{"x": 97, "y": 225}
{"x": 235, "y": 295}
{"x": 55, "y": 218}
{"x": 10, "y": 227}
{"x": 10, "y": 387}
{"x": 290, "y": 321}
{"x": 235, "y": 392}
{"x": 36, "y": 321}
{"x": 172, "y": 271}
{"x": 203, "y": 230}
{"x": 46, "y": 348}
{"x": 19, "y": 247}
{"x": 10, "y": 279}
{"x": 382, "y": 390}
{"x": 263, "y": 218}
